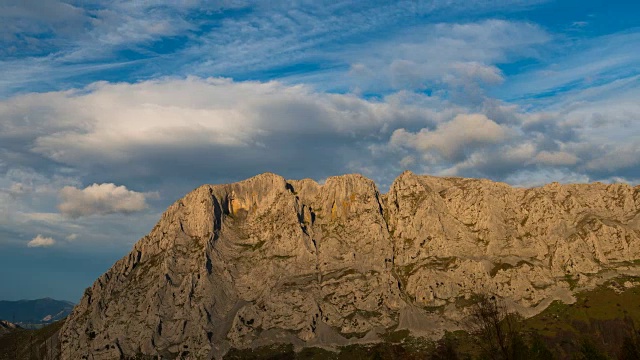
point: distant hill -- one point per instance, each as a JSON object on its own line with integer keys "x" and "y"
{"x": 41, "y": 311}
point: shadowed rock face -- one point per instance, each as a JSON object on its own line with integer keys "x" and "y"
{"x": 269, "y": 260}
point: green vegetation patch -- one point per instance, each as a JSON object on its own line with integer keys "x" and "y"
{"x": 571, "y": 280}
{"x": 251, "y": 247}
{"x": 507, "y": 266}
{"x": 498, "y": 267}
{"x": 397, "y": 336}
{"x": 397, "y": 345}
{"x": 599, "y": 319}
{"x": 273, "y": 352}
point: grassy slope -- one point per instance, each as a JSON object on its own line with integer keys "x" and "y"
{"x": 604, "y": 316}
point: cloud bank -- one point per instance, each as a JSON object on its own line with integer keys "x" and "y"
{"x": 185, "y": 132}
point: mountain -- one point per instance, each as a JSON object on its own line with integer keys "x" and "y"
{"x": 41, "y": 311}
{"x": 269, "y": 260}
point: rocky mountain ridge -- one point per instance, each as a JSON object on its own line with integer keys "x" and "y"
{"x": 270, "y": 260}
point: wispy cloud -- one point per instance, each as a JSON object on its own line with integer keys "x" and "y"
{"x": 595, "y": 62}
{"x": 232, "y": 38}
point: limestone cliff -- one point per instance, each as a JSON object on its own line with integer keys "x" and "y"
{"x": 269, "y": 260}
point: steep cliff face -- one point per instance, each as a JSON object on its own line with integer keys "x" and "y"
{"x": 268, "y": 260}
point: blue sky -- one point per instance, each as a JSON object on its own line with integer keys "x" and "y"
{"x": 110, "y": 111}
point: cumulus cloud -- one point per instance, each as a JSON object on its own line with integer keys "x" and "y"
{"x": 100, "y": 199}
{"x": 41, "y": 241}
{"x": 115, "y": 119}
{"x": 451, "y": 138}
{"x": 212, "y": 129}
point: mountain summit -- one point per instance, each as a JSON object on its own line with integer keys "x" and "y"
{"x": 270, "y": 260}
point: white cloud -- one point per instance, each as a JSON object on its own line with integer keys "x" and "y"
{"x": 451, "y": 138}
{"x": 474, "y": 70}
{"x": 41, "y": 241}
{"x": 100, "y": 199}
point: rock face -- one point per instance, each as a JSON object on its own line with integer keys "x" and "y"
{"x": 269, "y": 260}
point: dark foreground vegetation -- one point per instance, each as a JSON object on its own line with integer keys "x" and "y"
{"x": 31, "y": 344}
{"x": 602, "y": 324}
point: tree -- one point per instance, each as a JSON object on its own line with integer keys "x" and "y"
{"x": 496, "y": 330}
{"x": 539, "y": 350}
{"x": 589, "y": 351}
{"x": 444, "y": 350}
{"x": 629, "y": 349}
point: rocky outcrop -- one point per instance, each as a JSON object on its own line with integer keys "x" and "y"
{"x": 269, "y": 260}
{"x": 7, "y": 327}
